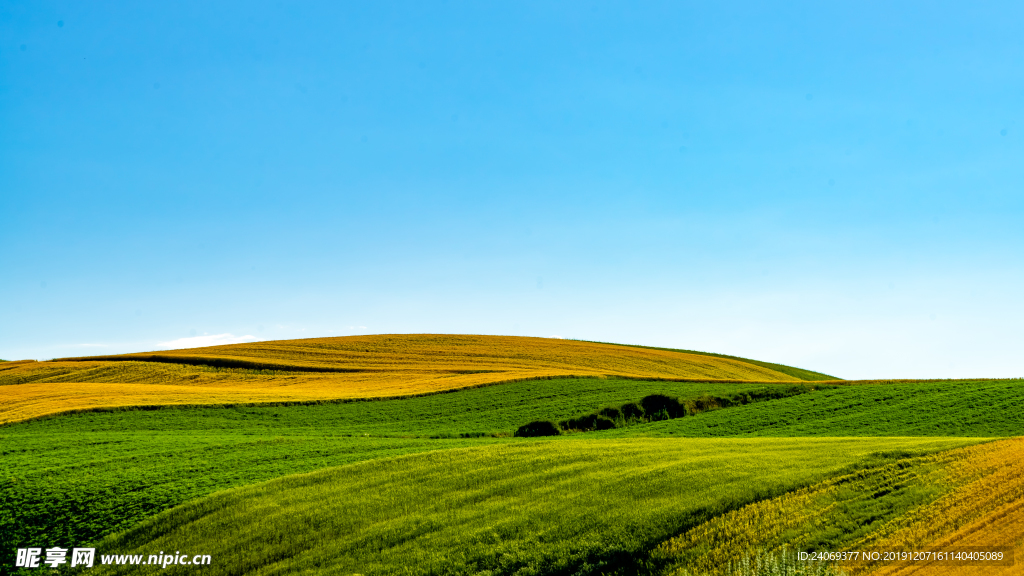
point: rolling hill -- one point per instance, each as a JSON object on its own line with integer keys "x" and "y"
{"x": 339, "y": 368}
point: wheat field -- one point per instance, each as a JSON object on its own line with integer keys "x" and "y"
{"x": 353, "y": 367}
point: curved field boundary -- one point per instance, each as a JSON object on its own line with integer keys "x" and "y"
{"x": 799, "y": 373}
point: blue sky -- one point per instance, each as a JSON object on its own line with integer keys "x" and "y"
{"x": 833, "y": 185}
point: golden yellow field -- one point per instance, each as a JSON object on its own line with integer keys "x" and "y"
{"x": 987, "y": 510}
{"x": 337, "y": 368}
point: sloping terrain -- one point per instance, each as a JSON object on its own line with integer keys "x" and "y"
{"x": 458, "y": 354}
{"x": 540, "y": 507}
{"x": 338, "y": 368}
{"x": 798, "y": 373}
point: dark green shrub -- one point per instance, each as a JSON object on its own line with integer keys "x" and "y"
{"x": 610, "y": 413}
{"x": 656, "y": 403}
{"x": 632, "y": 411}
{"x": 706, "y": 403}
{"x": 538, "y": 428}
{"x": 603, "y": 423}
{"x": 581, "y": 423}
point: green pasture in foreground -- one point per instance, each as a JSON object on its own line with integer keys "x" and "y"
{"x": 73, "y": 488}
{"x": 979, "y": 408}
{"x": 76, "y": 477}
{"x": 566, "y": 505}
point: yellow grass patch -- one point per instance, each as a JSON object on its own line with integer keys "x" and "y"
{"x": 337, "y": 368}
{"x": 1004, "y": 527}
{"x": 979, "y": 501}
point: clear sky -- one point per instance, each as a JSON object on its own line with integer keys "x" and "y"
{"x": 833, "y": 185}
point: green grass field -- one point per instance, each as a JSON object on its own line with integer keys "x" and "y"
{"x": 124, "y": 465}
{"x": 952, "y": 408}
{"x": 532, "y": 507}
{"x": 71, "y": 489}
{"x": 436, "y": 484}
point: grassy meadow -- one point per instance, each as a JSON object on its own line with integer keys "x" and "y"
{"x": 124, "y": 464}
{"x": 398, "y": 455}
{"x": 928, "y": 408}
{"x": 587, "y": 506}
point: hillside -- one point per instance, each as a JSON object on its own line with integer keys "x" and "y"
{"x": 339, "y": 368}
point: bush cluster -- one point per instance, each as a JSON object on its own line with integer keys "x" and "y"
{"x": 653, "y": 408}
{"x": 538, "y": 428}
{"x": 657, "y": 407}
